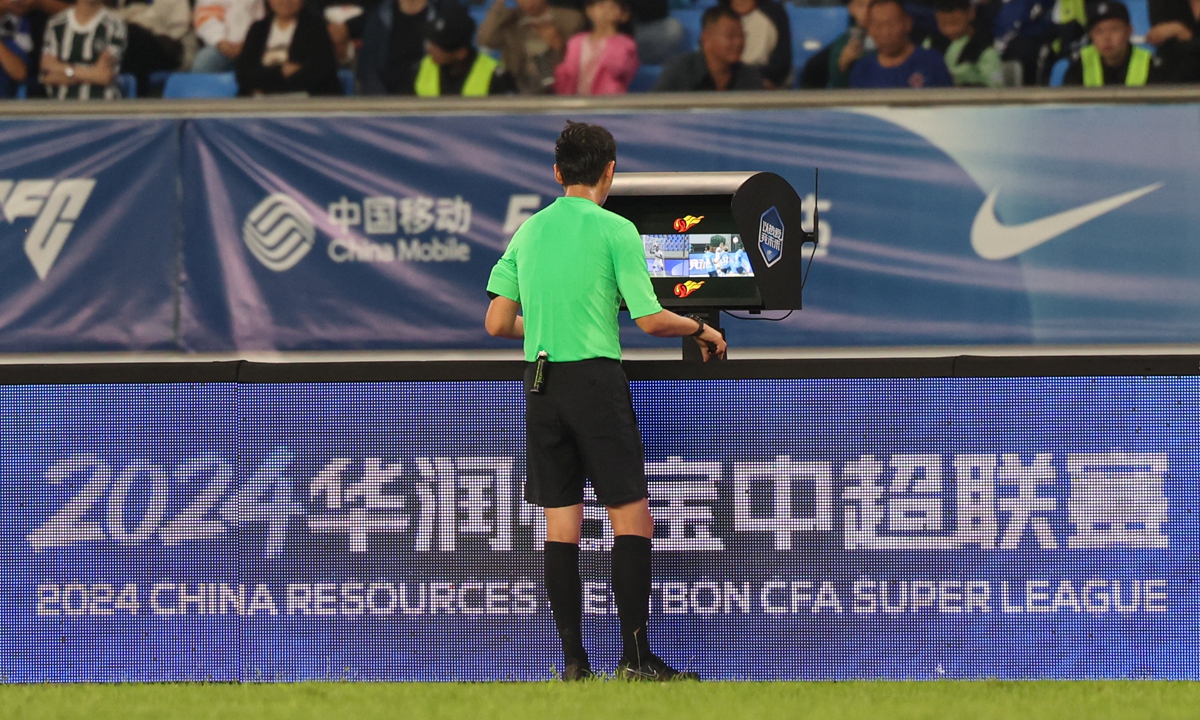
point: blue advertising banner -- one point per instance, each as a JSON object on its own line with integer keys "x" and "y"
{"x": 1061, "y": 225}
{"x": 1018, "y": 226}
{"x": 89, "y": 235}
{"x": 805, "y": 529}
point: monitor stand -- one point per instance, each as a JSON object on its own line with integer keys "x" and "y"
{"x": 691, "y": 351}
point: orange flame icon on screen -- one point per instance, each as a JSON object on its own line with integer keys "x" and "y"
{"x": 684, "y": 289}
{"x": 687, "y": 222}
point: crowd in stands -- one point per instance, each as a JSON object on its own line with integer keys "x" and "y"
{"x": 104, "y": 49}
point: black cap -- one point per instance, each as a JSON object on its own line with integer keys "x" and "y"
{"x": 1108, "y": 10}
{"x": 451, "y": 29}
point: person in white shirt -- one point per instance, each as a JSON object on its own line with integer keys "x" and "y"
{"x": 222, "y": 26}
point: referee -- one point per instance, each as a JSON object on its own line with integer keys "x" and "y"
{"x": 566, "y": 270}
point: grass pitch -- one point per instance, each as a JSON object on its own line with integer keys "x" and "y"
{"x": 943, "y": 700}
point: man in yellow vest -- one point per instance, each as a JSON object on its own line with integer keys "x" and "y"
{"x": 452, "y": 65}
{"x": 1111, "y": 59}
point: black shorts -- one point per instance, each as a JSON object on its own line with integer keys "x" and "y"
{"x": 581, "y": 426}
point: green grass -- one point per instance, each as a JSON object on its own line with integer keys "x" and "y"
{"x": 943, "y": 700}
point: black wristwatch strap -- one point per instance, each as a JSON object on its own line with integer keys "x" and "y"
{"x": 700, "y": 325}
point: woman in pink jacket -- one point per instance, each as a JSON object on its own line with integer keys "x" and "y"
{"x": 603, "y": 61}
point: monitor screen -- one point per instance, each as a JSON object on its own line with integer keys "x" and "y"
{"x": 696, "y": 255}
{"x": 693, "y": 249}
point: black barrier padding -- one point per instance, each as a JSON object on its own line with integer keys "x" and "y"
{"x": 444, "y": 371}
{"x": 120, "y": 373}
{"x": 465, "y": 371}
{"x": 1077, "y": 366}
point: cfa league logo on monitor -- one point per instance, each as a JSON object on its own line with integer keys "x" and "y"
{"x": 770, "y": 236}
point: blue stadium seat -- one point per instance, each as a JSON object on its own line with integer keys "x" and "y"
{"x": 813, "y": 28}
{"x": 646, "y": 76}
{"x": 201, "y": 85}
{"x": 158, "y": 80}
{"x": 478, "y": 13}
{"x": 346, "y": 78}
{"x": 128, "y": 85}
{"x": 1058, "y": 71}
{"x": 1139, "y": 17}
{"x": 22, "y": 92}
{"x": 690, "y": 17}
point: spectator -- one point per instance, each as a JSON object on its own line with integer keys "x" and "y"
{"x": 346, "y": 21}
{"x": 453, "y": 66}
{"x": 1111, "y": 59}
{"x": 393, "y": 44}
{"x": 82, "y": 51}
{"x": 768, "y": 38}
{"x": 659, "y": 36}
{"x": 1026, "y": 32}
{"x": 222, "y": 25}
{"x": 39, "y": 14}
{"x": 968, "y": 52}
{"x": 155, "y": 32}
{"x": 288, "y": 52}
{"x": 831, "y": 67}
{"x": 15, "y": 46}
{"x": 532, "y": 39}
{"x": 1175, "y": 31}
{"x": 718, "y": 64}
{"x": 603, "y": 61}
{"x": 896, "y": 62}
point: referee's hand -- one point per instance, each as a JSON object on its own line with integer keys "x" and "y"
{"x": 712, "y": 344}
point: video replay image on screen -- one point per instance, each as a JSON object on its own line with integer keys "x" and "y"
{"x": 696, "y": 255}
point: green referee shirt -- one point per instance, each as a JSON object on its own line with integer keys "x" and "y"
{"x": 569, "y": 266}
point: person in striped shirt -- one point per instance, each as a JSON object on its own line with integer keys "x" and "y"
{"x": 82, "y": 53}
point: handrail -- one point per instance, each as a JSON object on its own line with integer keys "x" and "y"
{"x": 643, "y": 102}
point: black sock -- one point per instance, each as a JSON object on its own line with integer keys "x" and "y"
{"x": 565, "y": 589}
{"x": 631, "y": 586}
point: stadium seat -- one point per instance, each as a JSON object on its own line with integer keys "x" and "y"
{"x": 813, "y": 28}
{"x": 478, "y": 13}
{"x": 201, "y": 85}
{"x": 690, "y": 17}
{"x": 346, "y": 78}
{"x": 22, "y": 92}
{"x": 1139, "y": 17}
{"x": 646, "y": 76}
{"x": 158, "y": 80}
{"x": 128, "y": 86}
{"x": 1059, "y": 71}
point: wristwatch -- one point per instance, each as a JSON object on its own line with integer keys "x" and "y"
{"x": 699, "y": 325}
{"x": 70, "y": 71}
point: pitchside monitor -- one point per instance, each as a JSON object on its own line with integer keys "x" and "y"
{"x": 716, "y": 240}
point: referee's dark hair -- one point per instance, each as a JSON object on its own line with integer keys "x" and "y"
{"x": 582, "y": 152}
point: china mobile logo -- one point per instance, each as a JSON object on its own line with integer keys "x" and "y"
{"x": 687, "y": 222}
{"x": 56, "y": 205}
{"x": 279, "y": 232}
{"x": 684, "y": 289}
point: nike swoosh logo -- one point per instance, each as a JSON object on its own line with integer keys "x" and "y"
{"x": 996, "y": 241}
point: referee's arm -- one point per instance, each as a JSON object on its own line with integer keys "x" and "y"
{"x": 502, "y": 318}
{"x": 503, "y": 321}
